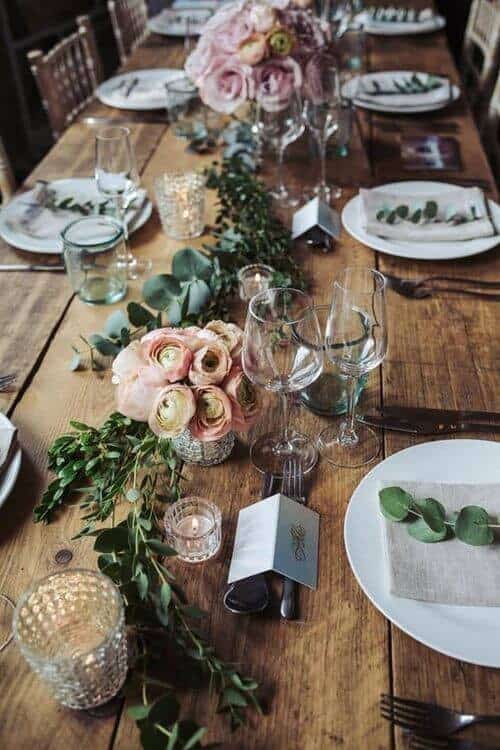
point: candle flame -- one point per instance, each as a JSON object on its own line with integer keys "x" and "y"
{"x": 195, "y": 525}
{"x": 257, "y": 278}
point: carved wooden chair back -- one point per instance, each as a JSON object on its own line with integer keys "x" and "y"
{"x": 490, "y": 130}
{"x": 7, "y": 181}
{"x": 481, "y": 52}
{"x": 130, "y": 24}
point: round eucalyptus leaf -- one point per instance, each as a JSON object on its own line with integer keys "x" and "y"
{"x": 199, "y": 294}
{"x": 433, "y": 514}
{"x": 423, "y": 533}
{"x": 430, "y": 210}
{"x": 189, "y": 264}
{"x": 115, "y": 323}
{"x": 138, "y": 315}
{"x": 159, "y": 291}
{"x": 394, "y": 503}
{"x": 104, "y": 346}
{"x": 174, "y": 312}
{"x": 472, "y": 527}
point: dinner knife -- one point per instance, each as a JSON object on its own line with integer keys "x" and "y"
{"x": 426, "y": 428}
{"x": 30, "y": 267}
{"x": 439, "y": 415}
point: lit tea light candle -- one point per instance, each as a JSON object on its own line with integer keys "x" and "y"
{"x": 254, "y": 279}
{"x": 193, "y": 528}
{"x": 181, "y": 204}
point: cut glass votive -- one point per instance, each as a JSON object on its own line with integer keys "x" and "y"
{"x": 181, "y": 204}
{"x": 254, "y": 279}
{"x": 193, "y": 528}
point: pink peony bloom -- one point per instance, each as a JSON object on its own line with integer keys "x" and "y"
{"x": 213, "y": 417}
{"x": 227, "y": 85}
{"x": 211, "y": 363}
{"x": 245, "y": 400}
{"x": 168, "y": 352}
{"x": 253, "y": 50}
{"x": 275, "y": 80}
{"x": 172, "y": 409}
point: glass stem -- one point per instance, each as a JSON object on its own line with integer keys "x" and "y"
{"x": 347, "y": 431}
{"x": 322, "y": 157}
{"x": 121, "y": 213}
{"x": 285, "y": 416}
{"x": 280, "y": 188}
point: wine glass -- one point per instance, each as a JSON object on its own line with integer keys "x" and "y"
{"x": 117, "y": 177}
{"x": 322, "y": 114}
{"x": 356, "y": 341}
{"x": 282, "y": 124}
{"x": 282, "y": 352}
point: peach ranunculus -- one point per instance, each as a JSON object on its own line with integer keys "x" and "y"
{"x": 128, "y": 362}
{"x": 253, "y": 49}
{"x": 211, "y": 363}
{"x": 229, "y": 333}
{"x": 168, "y": 351}
{"x": 246, "y": 404}
{"x": 173, "y": 408}
{"x": 302, "y": 3}
{"x": 136, "y": 392}
{"x": 213, "y": 417}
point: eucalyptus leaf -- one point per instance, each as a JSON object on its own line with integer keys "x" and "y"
{"x": 434, "y": 515}
{"x": 138, "y": 314}
{"x": 198, "y": 296}
{"x": 115, "y": 323}
{"x": 76, "y": 362}
{"x": 190, "y": 264}
{"x": 403, "y": 211}
{"x": 395, "y": 503}
{"x": 472, "y": 526}
{"x": 159, "y": 291}
{"x": 430, "y": 210}
{"x": 104, "y": 346}
{"x": 419, "y": 530}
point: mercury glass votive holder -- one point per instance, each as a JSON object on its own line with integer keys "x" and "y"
{"x": 254, "y": 279}
{"x": 70, "y": 627}
{"x": 193, "y": 528}
{"x": 181, "y": 203}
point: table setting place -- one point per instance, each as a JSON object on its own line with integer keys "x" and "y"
{"x": 230, "y": 353}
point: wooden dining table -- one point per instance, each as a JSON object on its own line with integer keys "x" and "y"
{"x": 321, "y": 676}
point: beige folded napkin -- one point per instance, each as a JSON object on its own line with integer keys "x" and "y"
{"x": 453, "y": 214}
{"x": 8, "y": 444}
{"x": 447, "y": 572}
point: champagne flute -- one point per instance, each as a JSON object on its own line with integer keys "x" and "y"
{"x": 355, "y": 341}
{"x": 282, "y": 352}
{"x": 117, "y": 177}
{"x": 282, "y": 124}
{"x": 322, "y": 115}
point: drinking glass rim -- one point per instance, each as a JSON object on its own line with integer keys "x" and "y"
{"x": 59, "y": 574}
{"x": 377, "y": 275}
{"x": 260, "y": 296}
{"x": 250, "y": 267}
{"x": 214, "y": 509}
{"x": 118, "y": 129}
{"x": 107, "y": 219}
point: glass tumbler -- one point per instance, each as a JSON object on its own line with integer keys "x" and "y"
{"x": 184, "y": 107}
{"x": 181, "y": 203}
{"x": 70, "y": 627}
{"x": 95, "y": 259}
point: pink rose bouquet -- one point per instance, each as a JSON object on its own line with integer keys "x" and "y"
{"x": 255, "y": 50}
{"x": 187, "y": 378}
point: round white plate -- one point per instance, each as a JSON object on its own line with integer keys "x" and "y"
{"x": 415, "y": 102}
{"x": 9, "y": 476}
{"x": 351, "y": 221}
{"x": 401, "y": 29}
{"x": 466, "y": 633}
{"x": 177, "y": 22}
{"x": 148, "y": 93}
{"x": 83, "y": 188}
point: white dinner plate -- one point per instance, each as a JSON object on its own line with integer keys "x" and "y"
{"x": 80, "y": 188}
{"x": 466, "y": 633}
{"x": 357, "y": 89}
{"x": 177, "y": 21}
{"x": 351, "y": 220}
{"x": 9, "y": 475}
{"x": 391, "y": 28}
{"x": 148, "y": 93}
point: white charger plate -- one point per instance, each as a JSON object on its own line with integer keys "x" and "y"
{"x": 9, "y": 476}
{"x": 466, "y": 633}
{"x": 174, "y": 21}
{"x": 149, "y": 93}
{"x": 381, "y": 28}
{"x": 81, "y": 188}
{"x": 351, "y": 220}
{"x": 350, "y": 88}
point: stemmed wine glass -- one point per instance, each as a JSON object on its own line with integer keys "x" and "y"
{"x": 282, "y": 124}
{"x": 322, "y": 115}
{"x": 356, "y": 341}
{"x": 282, "y": 352}
{"x": 116, "y": 176}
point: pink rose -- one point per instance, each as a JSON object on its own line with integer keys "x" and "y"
{"x": 262, "y": 17}
{"x": 253, "y": 49}
{"x": 229, "y": 333}
{"x": 245, "y": 400}
{"x": 200, "y": 58}
{"x": 227, "y": 85}
{"x": 211, "y": 363}
{"x": 224, "y": 15}
{"x": 275, "y": 80}
{"x": 169, "y": 352}
{"x": 279, "y": 4}
{"x": 229, "y": 37}
{"x": 213, "y": 417}
{"x": 307, "y": 30}
{"x": 171, "y": 411}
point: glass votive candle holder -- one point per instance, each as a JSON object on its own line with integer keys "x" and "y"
{"x": 184, "y": 106}
{"x": 181, "y": 203}
{"x": 193, "y": 528}
{"x": 70, "y": 627}
{"x": 254, "y": 279}
{"x": 95, "y": 259}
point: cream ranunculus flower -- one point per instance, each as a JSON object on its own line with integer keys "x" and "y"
{"x": 170, "y": 352}
{"x": 211, "y": 363}
{"x": 253, "y": 49}
{"x": 213, "y": 418}
{"x": 229, "y": 333}
{"x": 246, "y": 404}
{"x": 172, "y": 410}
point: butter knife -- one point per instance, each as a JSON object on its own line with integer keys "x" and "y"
{"x": 401, "y": 424}
{"x": 439, "y": 415}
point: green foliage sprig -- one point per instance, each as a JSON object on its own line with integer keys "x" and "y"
{"x": 428, "y": 522}
{"x": 409, "y": 85}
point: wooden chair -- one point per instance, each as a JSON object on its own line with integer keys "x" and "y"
{"x": 481, "y": 52}
{"x": 67, "y": 75}
{"x": 490, "y": 131}
{"x": 129, "y": 19}
{"x": 7, "y": 181}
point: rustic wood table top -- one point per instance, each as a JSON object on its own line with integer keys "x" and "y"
{"x": 322, "y": 675}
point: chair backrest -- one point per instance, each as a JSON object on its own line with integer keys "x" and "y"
{"x": 7, "y": 181}
{"x": 130, "y": 24}
{"x": 490, "y": 131}
{"x": 67, "y": 75}
{"x": 481, "y": 51}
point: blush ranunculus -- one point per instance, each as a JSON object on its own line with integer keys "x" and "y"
{"x": 213, "y": 417}
{"x": 275, "y": 80}
{"x": 262, "y": 17}
{"x": 227, "y": 84}
{"x": 246, "y": 404}
{"x": 171, "y": 411}
{"x": 229, "y": 333}
{"x": 135, "y": 395}
{"x": 253, "y": 49}
{"x": 128, "y": 362}
{"x": 169, "y": 352}
{"x": 211, "y": 363}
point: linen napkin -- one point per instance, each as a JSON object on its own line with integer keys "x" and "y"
{"x": 447, "y": 572}
{"x": 453, "y": 214}
{"x": 8, "y": 444}
{"x": 398, "y": 98}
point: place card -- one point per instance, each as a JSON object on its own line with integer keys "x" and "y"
{"x": 316, "y": 213}
{"x": 276, "y": 534}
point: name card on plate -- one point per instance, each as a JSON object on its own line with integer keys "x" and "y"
{"x": 276, "y": 534}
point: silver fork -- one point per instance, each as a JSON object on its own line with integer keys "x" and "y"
{"x": 421, "y": 288}
{"x": 418, "y": 742}
{"x": 428, "y": 718}
{"x": 6, "y": 381}
{"x": 293, "y": 487}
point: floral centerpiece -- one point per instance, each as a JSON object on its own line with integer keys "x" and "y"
{"x": 258, "y": 51}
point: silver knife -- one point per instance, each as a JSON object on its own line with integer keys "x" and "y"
{"x": 145, "y": 119}
{"x": 427, "y": 428}
{"x": 439, "y": 415}
{"x": 30, "y": 267}
{"x": 293, "y": 487}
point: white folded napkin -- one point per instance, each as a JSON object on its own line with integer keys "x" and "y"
{"x": 447, "y": 572}
{"x": 387, "y": 82}
{"x": 454, "y": 220}
{"x": 146, "y": 91}
{"x": 8, "y": 444}
{"x": 376, "y": 16}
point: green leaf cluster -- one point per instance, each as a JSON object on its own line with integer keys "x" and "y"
{"x": 402, "y": 212}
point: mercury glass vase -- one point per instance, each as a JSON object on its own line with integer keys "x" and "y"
{"x": 194, "y": 451}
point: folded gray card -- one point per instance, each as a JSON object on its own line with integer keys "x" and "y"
{"x": 447, "y": 572}
{"x": 276, "y": 534}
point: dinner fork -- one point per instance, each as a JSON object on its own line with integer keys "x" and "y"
{"x": 420, "y": 742}
{"x": 427, "y": 718}
{"x": 293, "y": 487}
{"x": 421, "y": 288}
{"x": 6, "y": 381}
